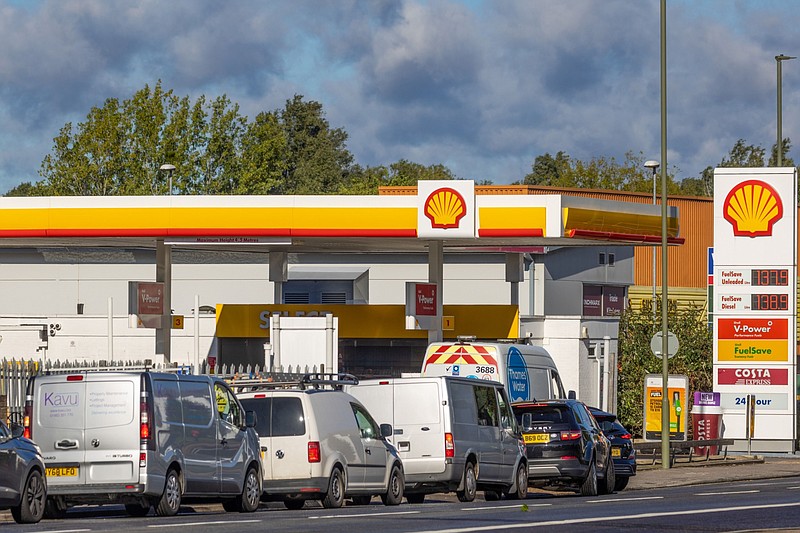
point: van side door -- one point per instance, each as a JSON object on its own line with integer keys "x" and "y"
{"x": 231, "y": 452}
{"x": 374, "y": 450}
{"x": 200, "y": 446}
{"x": 510, "y": 434}
{"x": 489, "y": 434}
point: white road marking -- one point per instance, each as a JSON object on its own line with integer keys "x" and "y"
{"x": 792, "y": 488}
{"x": 64, "y": 530}
{"x": 725, "y": 493}
{"x": 625, "y": 500}
{"x": 220, "y": 522}
{"x": 595, "y": 519}
{"x": 363, "y": 515}
{"x": 515, "y": 506}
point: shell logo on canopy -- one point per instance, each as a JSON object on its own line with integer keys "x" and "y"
{"x": 445, "y": 208}
{"x": 752, "y": 207}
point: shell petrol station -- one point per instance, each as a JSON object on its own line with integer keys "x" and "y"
{"x": 409, "y": 266}
{"x": 480, "y": 248}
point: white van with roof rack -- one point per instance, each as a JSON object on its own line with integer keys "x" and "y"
{"x": 527, "y": 371}
{"x": 320, "y": 443}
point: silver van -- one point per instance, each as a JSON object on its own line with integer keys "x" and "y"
{"x": 143, "y": 439}
{"x": 453, "y": 434}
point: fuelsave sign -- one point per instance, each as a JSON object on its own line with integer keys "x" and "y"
{"x": 753, "y": 339}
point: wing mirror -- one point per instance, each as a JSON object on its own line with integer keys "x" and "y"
{"x": 386, "y": 430}
{"x": 250, "y": 419}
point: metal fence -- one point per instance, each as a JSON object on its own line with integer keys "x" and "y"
{"x": 15, "y": 373}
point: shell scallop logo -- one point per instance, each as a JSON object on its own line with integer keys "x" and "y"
{"x": 752, "y": 207}
{"x": 445, "y": 208}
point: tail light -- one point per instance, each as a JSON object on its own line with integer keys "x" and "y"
{"x": 26, "y": 418}
{"x": 313, "y": 452}
{"x": 449, "y": 445}
{"x": 144, "y": 421}
{"x": 626, "y": 436}
{"x": 570, "y": 435}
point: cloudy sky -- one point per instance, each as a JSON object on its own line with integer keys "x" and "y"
{"x": 481, "y": 86}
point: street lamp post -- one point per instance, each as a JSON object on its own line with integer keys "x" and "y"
{"x": 170, "y": 169}
{"x": 778, "y": 60}
{"x": 664, "y": 279}
{"x": 651, "y": 164}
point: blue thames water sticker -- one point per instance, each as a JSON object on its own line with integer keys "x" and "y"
{"x": 518, "y": 381}
{"x": 456, "y": 369}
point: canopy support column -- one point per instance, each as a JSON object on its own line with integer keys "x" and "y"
{"x": 436, "y": 275}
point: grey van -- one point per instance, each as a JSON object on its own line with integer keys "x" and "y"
{"x": 453, "y": 434}
{"x": 143, "y": 439}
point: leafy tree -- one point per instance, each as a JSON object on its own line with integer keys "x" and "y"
{"x": 694, "y": 358}
{"x": 27, "y": 189}
{"x": 548, "y": 170}
{"x": 400, "y": 173}
{"x": 264, "y": 156}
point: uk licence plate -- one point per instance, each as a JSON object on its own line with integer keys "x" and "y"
{"x": 616, "y": 452}
{"x": 536, "y": 438}
{"x": 62, "y": 471}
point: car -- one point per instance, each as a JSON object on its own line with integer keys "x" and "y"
{"x": 320, "y": 443}
{"x": 565, "y": 446}
{"x": 621, "y": 446}
{"x": 23, "y": 485}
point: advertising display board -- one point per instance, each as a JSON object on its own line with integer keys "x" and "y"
{"x": 754, "y": 300}
{"x": 678, "y": 393}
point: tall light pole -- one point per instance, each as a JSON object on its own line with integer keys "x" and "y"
{"x": 778, "y": 60}
{"x": 665, "y": 462}
{"x": 170, "y": 169}
{"x": 651, "y": 164}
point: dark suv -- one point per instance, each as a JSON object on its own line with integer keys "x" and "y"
{"x": 621, "y": 446}
{"x": 565, "y": 446}
{"x": 23, "y": 487}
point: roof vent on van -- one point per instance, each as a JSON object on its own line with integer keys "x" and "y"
{"x": 466, "y": 338}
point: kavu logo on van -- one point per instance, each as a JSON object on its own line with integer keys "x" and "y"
{"x": 518, "y": 381}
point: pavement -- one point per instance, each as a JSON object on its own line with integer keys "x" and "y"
{"x": 715, "y": 470}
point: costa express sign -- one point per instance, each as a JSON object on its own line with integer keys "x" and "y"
{"x": 753, "y": 376}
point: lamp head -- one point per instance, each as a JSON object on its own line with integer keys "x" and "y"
{"x": 652, "y": 164}
{"x": 167, "y": 166}
{"x": 783, "y": 57}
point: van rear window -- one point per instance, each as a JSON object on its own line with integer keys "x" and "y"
{"x": 61, "y": 405}
{"x": 277, "y": 417}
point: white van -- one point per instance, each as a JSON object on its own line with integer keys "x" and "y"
{"x": 453, "y": 434}
{"x": 143, "y": 439}
{"x": 320, "y": 443}
{"x": 528, "y": 372}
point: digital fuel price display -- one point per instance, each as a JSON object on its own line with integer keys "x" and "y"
{"x": 769, "y": 302}
{"x": 769, "y": 277}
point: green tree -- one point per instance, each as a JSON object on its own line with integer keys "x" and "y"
{"x": 694, "y": 358}
{"x": 26, "y": 189}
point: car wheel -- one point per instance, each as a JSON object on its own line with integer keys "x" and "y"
{"x": 415, "y": 498}
{"x": 251, "y": 492}
{"x": 294, "y": 503}
{"x": 607, "y": 485}
{"x": 621, "y": 483}
{"x": 55, "y": 508}
{"x": 362, "y": 499}
{"x": 335, "y": 496}
{"x": 589, "y": 485}
{"x": 491, "y": 495}
{"x": 397, "y": 483}
{"x": 470, "y": 485}
{"x": 170, "y": 501}
{"x": 520, "y": 491}
{"x": 137, "y": 509}
{"x": 34, "y": 496}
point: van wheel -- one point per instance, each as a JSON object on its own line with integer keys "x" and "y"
{"x": 520, "y": 491}
{"x": 397, "y": 483}
{"x": 470, "y": 485}
{"x": 55, "y": 508}
{"x": 170, "y": 501}
{"x": 31, "y": 509}
{"x": 250, "y": 497}
{"x": 335, "y": 496}
{"x": 137, "y": 509}
{"x": 589, "y": 485}
{"x": 362, "y": 500}
{"x": 415, "y": 498}
{"x": 294, "y": 504}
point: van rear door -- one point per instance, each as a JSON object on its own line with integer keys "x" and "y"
{"x": 419, "y": 427}
{"x": 87, "y": 427}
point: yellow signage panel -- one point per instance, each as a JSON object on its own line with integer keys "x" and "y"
{"x": 370, "y": 321}
{"x": 177, "y": 321}
{"x": 677, "y": 394}
{"x": 448, "y": 323}
{"x": 752, "y": 350}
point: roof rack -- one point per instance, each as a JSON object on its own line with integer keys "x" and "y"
{"x": 317, "y": 380}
